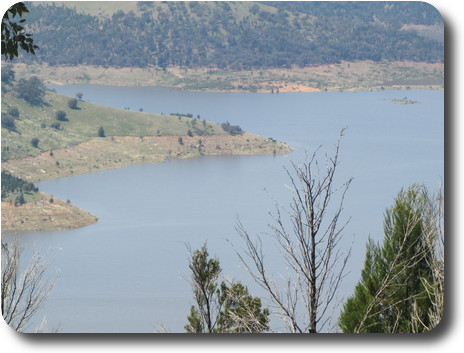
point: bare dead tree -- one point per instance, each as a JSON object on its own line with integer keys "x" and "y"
{"x": 309, "y": 246}
{"x": 23, "y": 293}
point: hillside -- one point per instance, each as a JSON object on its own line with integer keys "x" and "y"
{"x": 233, "y": 35}
{"x": 35, "y": 121}
{"x": 37, "y": 146}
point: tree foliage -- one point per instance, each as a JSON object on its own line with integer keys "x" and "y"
{"x": 232, "y": 129}
{"x": 14, "y": 36}
{"x": 232, "y": 36}
{"x": 35, "y": 142}
{"x": 72, "y": 103}
{"x": 224, "y": 307}
{"x": 31, "y": 90}
{"x": 60, "y": 115}
{"x": 101, "y": 132}
{"x": 402, "y": 279}
{"x": 13, "y": 184}
{"x": 8, "y": 122}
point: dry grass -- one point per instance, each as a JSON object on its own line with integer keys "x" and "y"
{"x": 44, "y": 215}
{"x": 115, "y": 152}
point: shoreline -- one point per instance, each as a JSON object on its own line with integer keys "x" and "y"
{"x": 117, "y": 152}
{"x": 114, "y": 152}
{"x": 46, "y": 214}
{"x": 346, "y": 76}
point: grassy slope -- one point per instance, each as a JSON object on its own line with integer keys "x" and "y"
{"x": 132, "y": 137}
{"x": 83, "y": 125}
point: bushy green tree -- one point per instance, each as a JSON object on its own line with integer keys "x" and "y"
{"x": 19, "y": 200}
{"x": 31, "y": 90}
{"x": 8, "y": 122}
{"x": 61, "y": 116}
{"x": 392, "y": 294}
{"x": 221, "y": 308}
{"x": 242, "y": 313}
{"x": 72, "y": 103}
{"x": 14, "y": 112}
{"x": 35, "y": 142}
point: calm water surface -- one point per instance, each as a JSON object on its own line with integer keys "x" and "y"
{"x": 129, "y": 271}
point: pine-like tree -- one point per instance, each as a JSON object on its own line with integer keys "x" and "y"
{"x": 101, "y": 132}
{"x": 392, "y": 295}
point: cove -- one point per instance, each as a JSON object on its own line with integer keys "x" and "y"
{"x": 125, "y": 273}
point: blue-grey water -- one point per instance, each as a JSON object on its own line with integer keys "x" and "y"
{"x": 129, "y": 271}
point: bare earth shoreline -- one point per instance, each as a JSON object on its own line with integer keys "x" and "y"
{"x": 111, "y": 153}
{"x": 346, "y": 76}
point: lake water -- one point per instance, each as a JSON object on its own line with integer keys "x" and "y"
{"x": 129, "y": 272}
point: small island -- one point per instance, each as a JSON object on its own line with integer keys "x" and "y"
{"x": 405, "y": 100}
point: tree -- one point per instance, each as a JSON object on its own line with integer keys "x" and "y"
{"x": 23, "y": 293}
{"x": 61, "y": 116}
{"x": 19, "y": 200}
{"x": 310, "y": 249}
{"x": 13, "y": 33}
{"x": 31, "y": 90}
{"x": 401, "y": 287}
{"x": 242, "y": 313}
{"x": 56, "y": 126}
{"x": 221, "y": 308}
{"x": 8, "y": 122}
{"x": 35, "y": 142}
{"x": 79, "y": 95}
{"x": 101, "y": 132}
{"x": 232, "y": 129}
{"x": 14, "y": 112}
{"x": 72, "y": 103}
{"x": 205, "y": 273}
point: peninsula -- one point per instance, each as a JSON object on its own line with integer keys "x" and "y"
{"x": 59, "y": 137}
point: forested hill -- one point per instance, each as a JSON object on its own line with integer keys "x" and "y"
{"x": 233, "y": 35}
